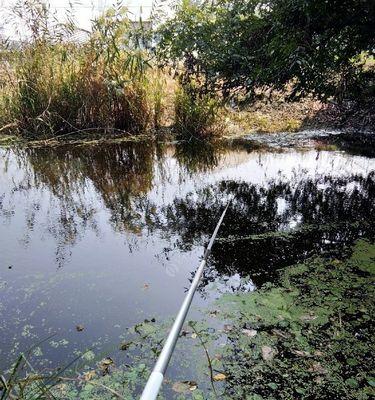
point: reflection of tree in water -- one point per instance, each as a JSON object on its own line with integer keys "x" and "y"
{"x": 325, "y": 214}
{"x": 122, "y": 175}
{"x": 118, "y": 174}
{"x": 198, "y": 156}
{"x": 270, "y": 227}
{"x": 78, "y": 181}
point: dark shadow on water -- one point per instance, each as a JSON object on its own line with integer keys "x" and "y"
{"x": 269, "y": 228}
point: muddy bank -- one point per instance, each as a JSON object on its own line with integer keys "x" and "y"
{"x": 349, "y": 116}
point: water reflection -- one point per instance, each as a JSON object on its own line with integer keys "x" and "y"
{"x": 198, "y": 156}
{"x": 118, "y": 173}
{"x": 67, "y": 187}
{"x": 95, "y": 234}
{"x": 270, "y": 227}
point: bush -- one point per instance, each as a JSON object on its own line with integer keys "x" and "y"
{"x": 316, "y": 47}
{"x": 196, "y": 115}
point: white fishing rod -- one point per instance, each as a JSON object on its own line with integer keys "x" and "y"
{"x": 155, "y": 380}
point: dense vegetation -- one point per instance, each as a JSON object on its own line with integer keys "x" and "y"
{"x": 310, "y": 47}
{"x": 54, "y": 84}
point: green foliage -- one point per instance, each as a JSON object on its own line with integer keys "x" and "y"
{"x": 196, "y": 115}
{"x": 307, "y": 46}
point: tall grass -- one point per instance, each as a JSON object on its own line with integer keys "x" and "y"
{"x": 196, "y": 114}
{"x": 53, "y": 86}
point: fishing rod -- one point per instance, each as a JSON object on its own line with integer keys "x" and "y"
{"x": 155, "y": 380}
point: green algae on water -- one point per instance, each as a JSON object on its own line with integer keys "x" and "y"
{"x": 313, "y": 334}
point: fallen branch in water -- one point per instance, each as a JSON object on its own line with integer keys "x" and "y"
{"x": 207, "y": 356}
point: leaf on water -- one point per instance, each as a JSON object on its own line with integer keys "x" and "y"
{"x": 88, "y": 355}
{"x": 105, "y": 365}
{"x": 125, "y": 345}
{"x": 220, "y": 377}
{"x": 184, "y": 386}
{"x": 60, "y": 387}
{"x": 317, "y": 368}
{"x": 301, "y": 353}
{"x": 107, "y": 361}
{"x": 87, "y": 376}
{"x": 214, "y": 313}
{"x": 249, "y": 332}
{"x": 268, "y": 353}
{"x": 80, "y": 328}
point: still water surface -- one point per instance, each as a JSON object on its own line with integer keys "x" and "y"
{"x": 106, "y": 236}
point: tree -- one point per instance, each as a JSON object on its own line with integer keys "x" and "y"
{"x": 315, "y": 47}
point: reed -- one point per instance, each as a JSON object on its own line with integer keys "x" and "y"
{"x": 196, "y": 114}
{"x": 106, "y": 82}
{"x": 55, "y": 86}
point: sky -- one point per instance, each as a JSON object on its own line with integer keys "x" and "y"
{"x": 85, "y": 11}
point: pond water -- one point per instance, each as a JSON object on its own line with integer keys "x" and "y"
{"x": 105, "y": 236}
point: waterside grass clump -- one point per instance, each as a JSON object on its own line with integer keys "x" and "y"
{"x": 53, "y": 86}
{"x": 196, "y": 114}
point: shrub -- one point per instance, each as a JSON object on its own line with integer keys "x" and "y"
{"x": 196, "y": 115}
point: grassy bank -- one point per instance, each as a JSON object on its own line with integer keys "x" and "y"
{"x": 61, "y": 81}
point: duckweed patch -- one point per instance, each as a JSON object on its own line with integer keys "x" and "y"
{"x": 314, "y": 336}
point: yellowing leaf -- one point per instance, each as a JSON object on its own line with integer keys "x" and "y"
{"x": 220, "y": 377}
{"x": 184, "y": 386}
{"x": 87, "y": 376}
